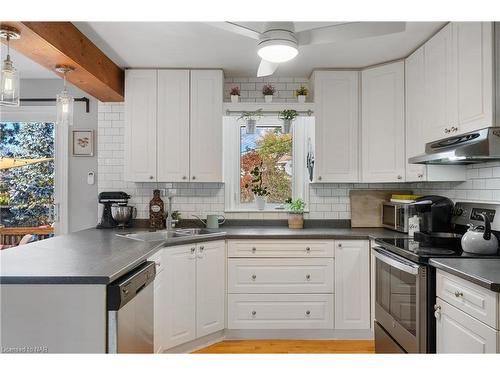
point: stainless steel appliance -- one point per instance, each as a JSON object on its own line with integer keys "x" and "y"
{"x": 108, "y": 199}
{"x": 395, "y": 216}
{"x": 405, "y": 283}
{"x": 130, "y": 311}
{"x": 474, "y": 147}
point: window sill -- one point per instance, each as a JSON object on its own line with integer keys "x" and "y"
{"x": 261, "y": 211}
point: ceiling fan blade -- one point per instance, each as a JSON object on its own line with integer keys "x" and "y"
{"x": 348, "y": 31}
{"x": 237, "y": 29}
{"x": 266, "y": 68}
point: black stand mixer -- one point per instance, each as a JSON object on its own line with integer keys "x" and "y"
{"x": 107, "y": 199}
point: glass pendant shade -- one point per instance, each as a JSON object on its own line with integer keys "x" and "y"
{"x": 64, "y": 103}
{"x": 9, "y": 89}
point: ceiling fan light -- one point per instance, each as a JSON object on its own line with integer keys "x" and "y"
{"x": 277, "y": 51}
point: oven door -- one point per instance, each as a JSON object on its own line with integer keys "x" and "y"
{"x": 401, "y": 300}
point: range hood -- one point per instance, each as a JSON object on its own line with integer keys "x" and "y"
{"x": 475, "y": 147}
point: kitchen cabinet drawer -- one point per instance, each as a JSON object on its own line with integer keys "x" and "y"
{"x": 281, "y": 248}
{"x": 479, "y": 302}
{"x": 280, "y": 275}
{"x": 280, "y": 311}
{"x": 458, "y": 332}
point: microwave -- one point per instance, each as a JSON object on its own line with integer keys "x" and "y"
{"x": 395, "y": 216}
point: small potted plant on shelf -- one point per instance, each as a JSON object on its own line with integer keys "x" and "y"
{"x": 268, "y": 90}
{"x": 258, "y": 188}
{"x": 287, "y": 115}
{"x": 296, "y": 213}
{"x": 235, "y": 94}
{"x": 251, "y": 118}
{"x": 301, "y": 94}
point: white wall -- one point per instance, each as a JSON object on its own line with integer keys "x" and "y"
{"x": 82, "y": 197}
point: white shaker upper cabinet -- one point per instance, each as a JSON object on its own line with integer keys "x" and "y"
{"x": 206, "y": 126}
{"x": 415, "y": 126}
{"x": 336, "y": 97}
{"x": 383, "y": 123}
{"x": 173, "y": 125}
{"x": 473, "y": 46}
{"x": 440, "y": 85}
{"x": 140, "y": 125}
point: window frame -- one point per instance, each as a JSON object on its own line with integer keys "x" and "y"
{"x": 301, "y": 130}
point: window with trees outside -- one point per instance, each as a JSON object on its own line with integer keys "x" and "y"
{"x": 279, "y": 157}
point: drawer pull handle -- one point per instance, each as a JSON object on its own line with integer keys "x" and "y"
{"x": 458, "y": 294}
{"x": 254, "y": 313}
{"x": 308, "y": 312}
{"x": 308, "y": 249}
{"x": 308, "y": 277}
{"x": 254, "y": 277}
{"x": 254, "y": 249}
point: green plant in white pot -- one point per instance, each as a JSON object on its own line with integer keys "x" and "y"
{"x": 258, "y": 188}
{"x": 287, "y": 116}
{"x": 296, "y": 213}
{"x": 301, "y": 94}
{"x": 251, "y": 118}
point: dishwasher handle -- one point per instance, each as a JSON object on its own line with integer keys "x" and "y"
{"x": 123, "y": 290}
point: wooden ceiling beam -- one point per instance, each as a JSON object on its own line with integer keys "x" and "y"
{"x": 61, "y": 43}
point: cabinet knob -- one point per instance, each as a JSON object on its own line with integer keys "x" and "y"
{"x": 202, "y": 248}
{"x": 308, "y": 249}
{"x": 158, "y": 264}
{"x": 420, "y": 175}
{"x": 454, "y": 129}
{"x": 437, "y": 311}
{"x": 254, "y": 249}
{"x": 458, "y": 294}
{"x": 400, "y": 177}
{"x": 151, "y": 177}
{"x": 319, "y": 178}
{"x": 193, "y": 249}
{"x": 446, "y": 130}
{"x": 308, "y": 277}
{"x": 339, "y": 245}
{"x": 184, "y": 177}
{"x": 254, "y": 277}
{"x": 308, "y": 312}
{"x": 254, "y": 313}
{"x": 193, "y": 177}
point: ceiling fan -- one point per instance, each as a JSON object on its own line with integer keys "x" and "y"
{"x": 279, "y": 42}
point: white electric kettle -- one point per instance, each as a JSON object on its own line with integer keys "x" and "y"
{"x": 479, "y": 239}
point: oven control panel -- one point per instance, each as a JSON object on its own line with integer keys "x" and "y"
{"x": 469, "y": 213}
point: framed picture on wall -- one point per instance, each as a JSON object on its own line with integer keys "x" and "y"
{"x": 83, "y": 142}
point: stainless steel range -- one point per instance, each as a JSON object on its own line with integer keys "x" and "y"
{"x": 405, "y": 283}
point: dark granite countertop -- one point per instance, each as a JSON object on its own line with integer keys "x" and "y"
{"x": 483, "y": 272}
{"x": 97, "y": 256}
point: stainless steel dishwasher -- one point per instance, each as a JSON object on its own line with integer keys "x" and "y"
{"x": 130, "y": 311}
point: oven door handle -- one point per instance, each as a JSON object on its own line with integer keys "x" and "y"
{"x": 395, "y": 261}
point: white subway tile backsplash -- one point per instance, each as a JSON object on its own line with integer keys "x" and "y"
{"x": 326, "y": 201}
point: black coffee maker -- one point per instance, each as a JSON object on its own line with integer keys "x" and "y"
{"x": 107, "y": 199}
{"x": 434, "y": 213}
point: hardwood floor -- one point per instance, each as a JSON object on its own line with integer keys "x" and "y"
{"x": 291, "y": 347}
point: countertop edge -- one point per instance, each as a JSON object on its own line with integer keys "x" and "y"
{"x": 487, "y": 284}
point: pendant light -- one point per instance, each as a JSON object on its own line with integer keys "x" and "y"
{"x": 64, "y": 101}
{"x": 9, "y": 89}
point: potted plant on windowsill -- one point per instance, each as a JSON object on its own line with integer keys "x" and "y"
{"x": 235, "y": 94}
{"x": 301, "y": 94}
{"x": 259, "y": 190}
{"x": 296, "y": 213}
{"x": 268, "y": 90}
{"x": 251, "y": 118}
{"x": 287, "y": 116}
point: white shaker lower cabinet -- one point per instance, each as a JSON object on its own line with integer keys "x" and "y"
{"x": 210, "y": 288}
{"x": 193, "y": 284}
{"x": 467, "y": 316}
{"x": 336, "y": 97}
{"x": 458, "y": 332}
{"x": 383, "y": 123}
{"x": 352, "y": 285}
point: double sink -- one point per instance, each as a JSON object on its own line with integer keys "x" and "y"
{"x": 163, "y": 235}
